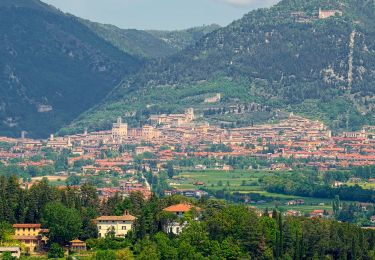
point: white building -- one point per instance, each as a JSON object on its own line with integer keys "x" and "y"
{"x": 119, "y": 224}
{"x": 176, "y": 226}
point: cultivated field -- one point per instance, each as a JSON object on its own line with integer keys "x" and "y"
{"x": 246, "y": 182}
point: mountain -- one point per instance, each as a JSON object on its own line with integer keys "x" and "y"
{"x": 52, "y": 68}
{"x": 180, "y": 39}
{"x": 32, "y": 4}
{"x": 149, "y": 44}
{"x": 136, "y": 42}
{"x": 273, "y": 61}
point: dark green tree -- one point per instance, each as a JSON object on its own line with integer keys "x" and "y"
{"x": 64, "y": 223}
{"x": 55, "y": 251}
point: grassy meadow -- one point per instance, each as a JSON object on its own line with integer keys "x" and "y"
{"x": 246, "y": 182}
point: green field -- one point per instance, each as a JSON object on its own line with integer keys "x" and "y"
{"x": 233, "y": 181}
{"x": 364, "y": 185}
{"x": 211, "y": 179}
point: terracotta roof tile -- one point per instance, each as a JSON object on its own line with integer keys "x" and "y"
{"x": 183, "y": 207}
{"x": 116, "y": 218}
{"x": 26, "y": 225}
{"x": 25, "y": 237}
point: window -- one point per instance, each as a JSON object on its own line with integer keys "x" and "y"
{"x": 100, "y": 227}
{"x": 123, "y": 227}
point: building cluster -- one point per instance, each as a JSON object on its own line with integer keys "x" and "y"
{"x": 32, "y": 238}
{"x": 169, "y": 137}
{"x": 304, "y": 17}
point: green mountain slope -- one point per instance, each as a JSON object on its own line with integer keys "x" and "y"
{"x": 149, "y": 44}
{"x": 135, "y": 42}
{"x": 52, "y": 68}
{"x": 180, "y": 39}
{"x": 32, "y": 4}
{"x": 280, "y": 59}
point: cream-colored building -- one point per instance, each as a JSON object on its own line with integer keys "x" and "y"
{"x": 58, "y": 142}
{"x": 324, "y": 14}
{"x": 119, "y": 130}
{"x": 119, "y": 224}
{"x": 149, "y": 132}
{"x": 32, "y": 236}
{"x": 174, "y": 119}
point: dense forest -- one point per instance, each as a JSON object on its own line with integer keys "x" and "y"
{"x": 52, "y": 68}
{"x": 149, "y": 44}
{"x": 224, "y": 231}
{"x": 67, "y": 65}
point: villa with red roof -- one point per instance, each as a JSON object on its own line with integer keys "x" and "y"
{"x": 179, "y": 210}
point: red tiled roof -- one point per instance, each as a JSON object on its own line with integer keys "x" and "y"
{"x": 116, "y": 218}
{"x": 76, "y": 241}
{"x": 26, "y": 225}
{"x": 25, "y": 237}
{"x": 182, "y": 207}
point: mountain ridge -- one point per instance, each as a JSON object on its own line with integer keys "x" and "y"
{"x": 291, "y": 63}
{"x": 149, "y": 44}
{"x": 61, "y": 70}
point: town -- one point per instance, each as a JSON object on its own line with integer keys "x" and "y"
{"x": 179, "y": 136}
{"x": 120, "y": 161}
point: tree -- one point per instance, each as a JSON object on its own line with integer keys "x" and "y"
{"x": 170, "y": 171}
{"x": 148, "y": 251}
{"x": 111, "y": 233}
{"x": 167, "y": 251}
{"x": 6, "y": 231}
{"x": 336, "y": 206}
{"x": 55, "y": 251}
{"x": 64, "y": 223}
{"x": 105, "y": 255}
{"x": 73, "y": 180}
{"x": 7, "y": 256}
{"x": 39, "y": 195}
{"x": 89, "y": 228}
{"x": 125, "y": 254}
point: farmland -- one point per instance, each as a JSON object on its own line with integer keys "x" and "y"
{"x": 247, "y": 183}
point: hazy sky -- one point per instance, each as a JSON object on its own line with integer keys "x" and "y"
{"x": 160, "y": 14}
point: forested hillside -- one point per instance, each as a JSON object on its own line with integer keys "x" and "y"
{"x": 213, "y": 230}
{"x": 135, "y": 42}
{"x": 180, "y": 39}
{"x": 283, "y": 57}
{"x": 149, "y": 44}
{"x": 52, "y": 68}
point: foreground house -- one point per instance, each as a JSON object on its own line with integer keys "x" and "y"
{"x": 119, "y": 225}
{"x": 32, "y": 236}
{"x": 77, "y": 245}
{"x": 178, "y": 223}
